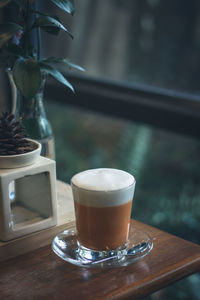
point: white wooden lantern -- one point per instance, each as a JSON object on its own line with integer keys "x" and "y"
{"x": 27, "y": 199}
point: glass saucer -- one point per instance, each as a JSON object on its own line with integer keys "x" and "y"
{"x": 65, "y": 245}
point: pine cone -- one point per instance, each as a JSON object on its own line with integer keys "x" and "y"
{"x": 12, "y": 137}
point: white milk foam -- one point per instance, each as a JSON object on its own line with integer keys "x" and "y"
{"x": 103, "y": 187}
{"x": 103, "y": 179}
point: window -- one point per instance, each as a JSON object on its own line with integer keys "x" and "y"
{"x": 136, "y": 108}
{"x": 141, "y": 42}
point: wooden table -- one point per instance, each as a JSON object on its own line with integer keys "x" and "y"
{"x": 40, "y": 274}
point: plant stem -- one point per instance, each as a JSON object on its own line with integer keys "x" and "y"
{"x": 38, "y": 43}
{"x": 27, "y": 27}
{"x": 38, "y": 34}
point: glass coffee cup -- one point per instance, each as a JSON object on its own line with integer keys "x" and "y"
{"x": 103, "y": 201}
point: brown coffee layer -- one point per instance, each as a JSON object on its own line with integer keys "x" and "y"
{"x": 103, "y": 228}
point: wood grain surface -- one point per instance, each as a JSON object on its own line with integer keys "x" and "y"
{"x": 40, "y": 274}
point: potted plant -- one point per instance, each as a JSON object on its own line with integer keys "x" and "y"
{"x": 27, "y": 69}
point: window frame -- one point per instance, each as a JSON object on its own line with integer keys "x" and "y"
{"x": 165, "y": 109}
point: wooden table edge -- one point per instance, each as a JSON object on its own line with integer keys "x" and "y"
{"x": 195, "y": 264}
{"x": 160, "y": 284}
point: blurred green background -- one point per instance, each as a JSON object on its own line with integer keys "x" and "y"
{"x": 165, "y": 165}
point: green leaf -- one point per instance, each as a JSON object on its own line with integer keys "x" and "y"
{"x": 66, "y": 5}
{"x": 50, "y": 24}
{"x": 4, "y": 3}
{"x": 55, "y": 60}
{"x": 27, "y": 76}
{"x": 7, "y": 30}
{"x": 56, "y": 74}
{"x": 72, "y": 65}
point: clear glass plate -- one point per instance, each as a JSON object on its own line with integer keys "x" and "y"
{"x": 65, "y": 245}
